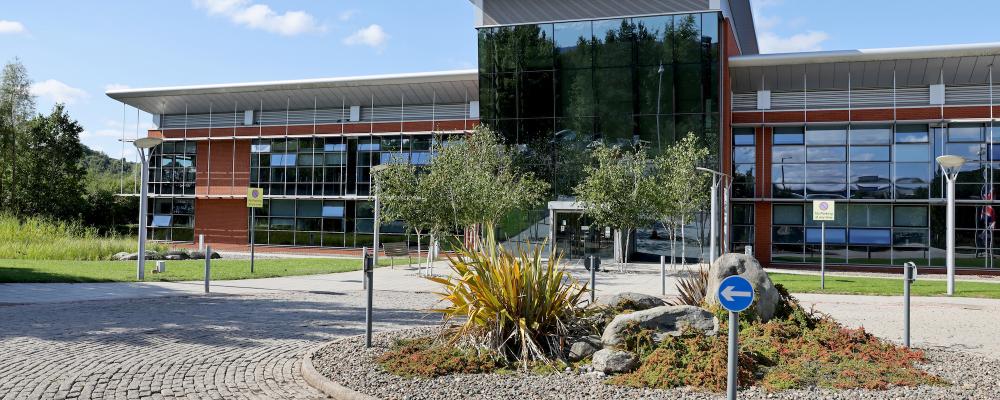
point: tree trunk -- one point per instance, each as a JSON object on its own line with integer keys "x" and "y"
{"x": 683, "y": 244}
{"x": 628, "y": 239}
{"x": 673, "y": 240}
{"x": 421, "y": 265}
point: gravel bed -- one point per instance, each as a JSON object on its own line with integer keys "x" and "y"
{"x": 349, "y": 363}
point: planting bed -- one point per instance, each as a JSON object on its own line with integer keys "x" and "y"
{"x": 350, "y": 364}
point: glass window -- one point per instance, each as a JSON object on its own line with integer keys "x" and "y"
{"x": 912, "y": 152}
{"x": 743, "y": 139}
{"x": 369, "y": 146}
{"x": 833, "y": 235}
{"x": 826, "y": 154}
{"x": 788, "y": 135}
{"x": 787, "y": 154}
{"x": 333, "y": 209}
{"x": 868, "y": 236}
{"x": 827, "y": 173}
{"x": 909, "y": 237}
{"x": 965, "y": 132}
{"x": 788, "y": 234}
{"x": 282, "y": 208}
{"x": 573, "y": 44}
{"x": 309, "y": 208}
{"x": 536, "y": 45}
{"x": 743, "y": 214}
{"x": 869, "y": 215}
{"x": 743, "y": 154}
{"x": 653, "y": 39}
{"x": 870, "y": 135}
{"x": 915, "y": 216}
{"x": 870, "y": 153}
{"x": 826, "y": 135}
{"x": 613, "y": 42}
{"x": 787, "y": 214}
{"x": 788, "y": 173}
{"x": 911, "y": 134}
{"x": 335, "y": 147}
{"x": 160, "y": 220}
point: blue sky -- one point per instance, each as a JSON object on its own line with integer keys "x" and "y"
{"x": 76, "y": 50}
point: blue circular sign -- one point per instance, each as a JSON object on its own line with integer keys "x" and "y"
{"x": 735, "y": 293}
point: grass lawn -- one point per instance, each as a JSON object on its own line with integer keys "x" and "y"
{"x": 48, "y": 271}
{"x": 796, "y": 283}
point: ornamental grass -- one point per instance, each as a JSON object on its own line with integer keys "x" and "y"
{"x": 511, "y": 303}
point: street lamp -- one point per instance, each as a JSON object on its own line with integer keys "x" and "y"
{"x": 375, "y": 229}
{"x": 659, "y": 89}
{"x": 716, "y": 176}
{"x": 144, "y": 146}
{"x": 950, "y": 165}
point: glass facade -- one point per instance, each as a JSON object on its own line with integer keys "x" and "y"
{"x": 890, "y": 193}
{"x": 170, "y": 216}
{"x": 329, "y": 223}
{"x": 554, "y": 87}
{"x": 171, "y": 219}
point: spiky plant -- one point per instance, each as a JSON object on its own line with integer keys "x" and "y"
{"x": 513, "y": 302}
{"x": 692, "y": 288}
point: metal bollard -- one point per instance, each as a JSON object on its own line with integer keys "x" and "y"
{"x": 208, "y": 266}
{"x": 369, "y": 267}
{"x": 593, "y": 280}
{"x": 201, "y": 242}
{"x": 663, "y": 275}
{"x": 909, "y": 275}
{"x": 364, "y": 274}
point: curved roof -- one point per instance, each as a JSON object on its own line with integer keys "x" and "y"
{"x": 413, "y": 88}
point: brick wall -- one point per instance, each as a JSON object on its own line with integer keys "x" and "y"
{"x": 221, "y": 220}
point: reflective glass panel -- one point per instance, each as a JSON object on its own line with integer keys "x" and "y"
{"x": 787, "y": 214}
{"x": 870, "y": 153}
{"x": 826, "y": 135}
{"x": 870, "y": 135}
{"x": 787, "y": 154}
{"x": 821, "y": 154}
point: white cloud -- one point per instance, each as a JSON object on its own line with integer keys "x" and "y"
{"x": 115, "y": 86}
{"x": 372, "y": 36}
{"x": 57, "y": 91}
{"x": 347, "y": 15}
{"x": 769, "y": 40}
{"x": 261, "y": 16}
{"x": 11, "y": 27}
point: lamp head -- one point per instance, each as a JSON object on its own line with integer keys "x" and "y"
{"x": 951, "y": 164}
{"x": 147, "y": 142}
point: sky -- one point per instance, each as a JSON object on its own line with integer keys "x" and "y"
{"x": 74, "y": 50}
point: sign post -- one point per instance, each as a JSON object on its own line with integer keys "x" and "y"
{"x": 255, "y": 199}
{"x": 823, "y": 210}
{"x": 735, "y": 294}
{"x": 369, "y": 269}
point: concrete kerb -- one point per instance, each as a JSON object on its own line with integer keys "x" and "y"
{"x": 324, "y": 384}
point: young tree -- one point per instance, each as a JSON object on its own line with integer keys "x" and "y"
{"x": 50, "y": 160}
{"x": 17, "y": 106}
{"x": 401, "y": 199}
{"x": 615, "y": 193}
{"x": 679, "y": 190}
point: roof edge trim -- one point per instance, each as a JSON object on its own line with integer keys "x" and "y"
{"x": 892, "y": 53}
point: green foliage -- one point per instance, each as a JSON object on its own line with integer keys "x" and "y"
{"x": 692, "y": 288}
{"x": 50, "y": 162}
{"x": 39, "y": 239}
{"x": 678, "y": 189}
{"x": 802, "y": 283}
{"x": 512, "y": 303}
{"x": 797, "y": 349}
{"x": 425, "y": 358}
{"x": 616, "y": 191}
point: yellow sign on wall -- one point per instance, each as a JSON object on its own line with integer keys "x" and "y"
{"x": 255, "y": 198}
{"x": 823, "y": 210}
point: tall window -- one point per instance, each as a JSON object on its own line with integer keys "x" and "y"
{"x": 172, "y": 168}
{"x": 744, "y": 155}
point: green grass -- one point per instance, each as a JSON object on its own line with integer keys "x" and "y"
{"x": 50, "y": 271}
{"x": 39, "y": 239}
{"x": 797, "y": 283}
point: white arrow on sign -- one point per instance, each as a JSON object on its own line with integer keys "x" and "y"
{"x": 729, "y": 292}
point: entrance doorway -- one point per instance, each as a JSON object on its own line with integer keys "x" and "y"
{"x": 577, "y": 237}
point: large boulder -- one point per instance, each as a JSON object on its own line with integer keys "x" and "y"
{"x": 611, "y": 361}
{"x": 766, "y": 296}
{"x": 584, "y": 347}
{"x": 631, "y": 301}
{"x": 664, "y": 320}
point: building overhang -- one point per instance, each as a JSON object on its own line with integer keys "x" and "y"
{"x": 862, "y": 55}
{"x": 441, "y": 87}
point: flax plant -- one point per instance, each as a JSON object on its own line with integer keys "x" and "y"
{"x": 512, "y": 302}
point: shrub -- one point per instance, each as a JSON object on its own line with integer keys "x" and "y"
{"x": 692, "y": 289}
{"x": 424, "y": 358}
{"x": 796, "y": 349}
{"x": 512, "y": 302}
{"x": 41, "y": 239}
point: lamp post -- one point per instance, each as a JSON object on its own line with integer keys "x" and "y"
{"x": 716, "y": 177}
{"x": 375, "y": 228}
{"x": 145, "y": 147}
{"x": 659, "y": 89}
{"x": 950, "y": 165}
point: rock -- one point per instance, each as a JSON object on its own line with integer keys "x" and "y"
{"x": 766, "y": 295}
{"x": 611, "y": 361}
{"x": 198, "y": 255}
{"x": 665, "y": 320}
{"x": 123, "y": 256}
{"x": 631, "y": 301}
{"x": 584, "y": 347}
{"x": 176, "y": 255}
{"x": 216, "y": 255}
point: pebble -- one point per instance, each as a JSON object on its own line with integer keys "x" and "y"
{"x": 350, "y": 364}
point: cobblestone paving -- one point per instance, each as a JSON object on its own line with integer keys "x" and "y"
{"x": 198, "y": 347}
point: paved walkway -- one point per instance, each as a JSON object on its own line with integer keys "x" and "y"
{"x": 170, "y": 340}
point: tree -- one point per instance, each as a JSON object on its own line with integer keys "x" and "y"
{"x": 401, "y": 199}
{"x": 679, "y": 190}
{"x": 17, "y": 106}
{"x": 615, "y": 193}
{"x": 50, "y": 161}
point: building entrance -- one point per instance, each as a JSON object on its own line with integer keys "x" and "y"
{"x": 577, "y": 237}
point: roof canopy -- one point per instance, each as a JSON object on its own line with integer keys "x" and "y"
{"x": 872, "y": 68}
{"x": 414, "y": 88}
